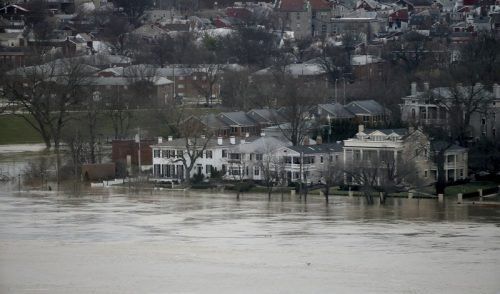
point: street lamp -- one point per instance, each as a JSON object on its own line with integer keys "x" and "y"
{"x": 329, "y": 126}
{"x": 138, "y": 140}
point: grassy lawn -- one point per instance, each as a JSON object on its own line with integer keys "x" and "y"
{"x": 15, "y": 130}
{"x": 469, "y": 187}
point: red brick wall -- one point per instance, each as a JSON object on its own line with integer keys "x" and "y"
{"x": 122, "y": 148}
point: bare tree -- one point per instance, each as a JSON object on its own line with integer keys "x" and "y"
{"x": 207, "y": 82}
{"x": 269, "y": 169}
{"x": 196, "y": 141}
{"x": 46, "y": 93}
{"x": 460, "y": 103}
{"x": 296, "y": 107}
{"x": 134, "y": 8}
{"x": 237, "y": 89}
{"x": 332, "y": 174}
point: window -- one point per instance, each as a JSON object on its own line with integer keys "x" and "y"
{"x": 208, "y": 169}
{"x": 180, "y": 86}
{"x": 298, "y": 15}
{"x": 156, "y": 170}
{"x": 425, "y": 174}
{"x": 246, "y": 171}
{"x": 224, "y": 153}
{"x": 235, "y": 156}
{"x": 321, "y": 159}
{"x": 323, "y": 29}
{"x": 251, "y": 156}
{"x": 179, "y": 153}
{"x": 165, "y": 153}
{"x": 209, "y": 153}
{"x": 258, "y": 156}
{"x": 256, "y": 171}
{"x": 156, "y": 153}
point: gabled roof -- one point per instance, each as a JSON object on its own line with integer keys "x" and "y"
{"x": 297, "y": 69}
{"x": 149, "y": 30}
{"x": 115, "y": 71}
{"x": 238, "y": 118}
{"x": 319, "y": 5}
{"x": 122, "y": 81}
{"x": 318, "y": 149}
{"x": 336, "y": 110}
{"x": 14, "y": 6}
{"x": 292, "y": 5}
{"x": 263, "y": 145}
{"x": 265, "y": 115}
{"x": 212, "y": 121}
{"x": 372, "y": 3}
{"x": 369, "y": 107}
{"x": 418, "y": 2}
{"x": 440, "y": 145}
{"x": 399, "y": 132}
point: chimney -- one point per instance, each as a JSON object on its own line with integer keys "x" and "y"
{"x": 414, "y": 88}
{"x": 306, "y": 141}
{"x": 170, "y": 138}
{"x": 232, "y": 140}
{"x": 361, "y": 128}
{"x": 160, "y": 140}
{"x": 219, "y": 140}
{"x": 426, "y": 86}
{"x": 496, "y": 90}
{"x": 319, "y": 140}
{"x": 262, "y": 134}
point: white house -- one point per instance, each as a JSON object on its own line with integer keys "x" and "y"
{"x": 405, "y": 145}
{"x": 431, "y": 106}
{"x": 243, "y": 159}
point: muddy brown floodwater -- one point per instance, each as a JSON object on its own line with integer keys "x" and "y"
{"x": 112, "y": 241}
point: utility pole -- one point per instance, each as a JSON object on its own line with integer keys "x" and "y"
{"x": 138, "y": 140}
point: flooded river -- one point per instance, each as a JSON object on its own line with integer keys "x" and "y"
{"x": 112, "y": 241}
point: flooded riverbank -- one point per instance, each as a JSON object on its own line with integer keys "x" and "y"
{"x": 110, "y": 241}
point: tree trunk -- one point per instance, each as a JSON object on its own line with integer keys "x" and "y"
{"x": 441, "y": 179}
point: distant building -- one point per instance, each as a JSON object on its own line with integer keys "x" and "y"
{"x": 361, "y": 111}
{"x": 431, "y": 106}
{"x": 410, "y": 145}
{"x": 98, "y": 171}
{"x": 295, "y": 16}
{"x": 126, "y": 152}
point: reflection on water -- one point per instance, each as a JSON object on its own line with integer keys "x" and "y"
{"x": 203, "y": 235}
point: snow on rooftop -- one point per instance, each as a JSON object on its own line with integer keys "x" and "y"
{"x": 364, "y": 59}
